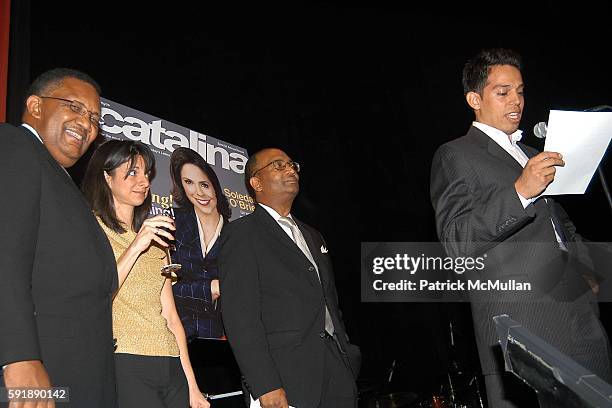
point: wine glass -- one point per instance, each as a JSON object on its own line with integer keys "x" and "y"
{"x": 169, "y": 270}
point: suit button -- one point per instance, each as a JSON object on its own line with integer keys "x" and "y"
{"x": 322, "y": 334}
{"x": 311, "y": 268}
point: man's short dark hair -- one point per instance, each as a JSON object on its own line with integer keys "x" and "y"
{"x": 52, "y": 79}
{"x": 476, "y": 71}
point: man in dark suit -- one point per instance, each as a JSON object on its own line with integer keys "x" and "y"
{"x": 485, "y": 189}
{"x": 279, "y": 303}
{"x": 58, "y": 272}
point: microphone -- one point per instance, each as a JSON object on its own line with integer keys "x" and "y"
{"x": 540, "y": 130}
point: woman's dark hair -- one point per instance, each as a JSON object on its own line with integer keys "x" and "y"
{"x": 107, "y": 158}
{"x": 476, "y": 71}
{"x": 179, "y": 158}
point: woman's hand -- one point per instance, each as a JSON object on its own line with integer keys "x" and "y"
{"x": 151, "y": 230}
{"x": 196, "y": 399}
{"x": 215, "y": 292}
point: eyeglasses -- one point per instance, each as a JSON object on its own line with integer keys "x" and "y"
{"x": 281, "y": 165}
{"x": 78, "y": 107}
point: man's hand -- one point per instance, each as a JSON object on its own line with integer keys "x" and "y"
{"x": 28, "y": 374}
{"x": 538, "y": 173}
{"x": 274, "y": 399}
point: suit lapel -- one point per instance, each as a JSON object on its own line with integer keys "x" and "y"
{"x": 191, "y": 235}
{"x": 496, "y": 150}
{"x": 315, "y": 251}
{"x": 481, "y": 138}
{"x": 276, "y": 231}
{"x": 62, "y": 176}
{"x": 550, "y": 204}
{"x": 528, "y": 150}
{"x": 499, "y": 152}
{"x": 61, "y": 172}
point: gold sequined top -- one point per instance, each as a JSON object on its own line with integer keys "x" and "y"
{"x": 138, "y": 324}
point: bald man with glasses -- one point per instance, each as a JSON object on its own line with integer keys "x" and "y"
{"x": 279, "y": 303}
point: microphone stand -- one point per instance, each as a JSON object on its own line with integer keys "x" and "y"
{"x": 600, "y": 173}
{"x": 602, "y": 179}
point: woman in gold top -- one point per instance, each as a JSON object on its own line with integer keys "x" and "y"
{"x": 152, "y": 363}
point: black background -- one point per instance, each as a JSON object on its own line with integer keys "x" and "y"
{"x": 361, "y": 94}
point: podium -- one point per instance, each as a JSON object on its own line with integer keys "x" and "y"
{"x": 557, "y": 379}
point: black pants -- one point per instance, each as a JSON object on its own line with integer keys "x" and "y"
{"x": 339, "y": 388}
{"x": 150, "y": 381}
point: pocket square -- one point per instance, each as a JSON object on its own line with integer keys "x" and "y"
{"x": 323, "y": 249}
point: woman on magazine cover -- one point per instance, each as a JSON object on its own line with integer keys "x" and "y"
{"x": 202, "y": 212}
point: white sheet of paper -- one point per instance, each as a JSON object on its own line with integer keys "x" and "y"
{"x": 582, "y": 138}
{"x": 256, "y": 404}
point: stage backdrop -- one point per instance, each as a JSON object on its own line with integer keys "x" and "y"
{"x": 228, "y": 162}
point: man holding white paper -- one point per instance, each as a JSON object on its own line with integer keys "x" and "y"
{"x": 485, "y": 190}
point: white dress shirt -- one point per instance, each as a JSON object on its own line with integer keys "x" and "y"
{"x": 31, "y": 129}
{"x": 206, "y": 248}
{"x": 276, "y": 216}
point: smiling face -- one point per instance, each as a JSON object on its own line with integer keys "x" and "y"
{"x": 198, "y": 189}
{"x": 502, "y": 100}
{"x": 129, "y": 186}
{"x": 65, "y": 133}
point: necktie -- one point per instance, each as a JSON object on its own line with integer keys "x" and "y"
{"x": 522, "y": 159}
{"x": 299, "y": 240}
{"x": 558, "y": 228}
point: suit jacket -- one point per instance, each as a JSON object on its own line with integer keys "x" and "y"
{"x": 478, "y": 211}
{"x": 274, "y": 306}
{"x": 58, "y": 274}
{"x": 199, "y": 314}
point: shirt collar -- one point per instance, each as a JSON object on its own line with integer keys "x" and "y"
{"x": 206, "y": 249}
{"x": 273, "y": 212}
{"x": 499, "y": 136}
{"x": 31, "y": 129}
